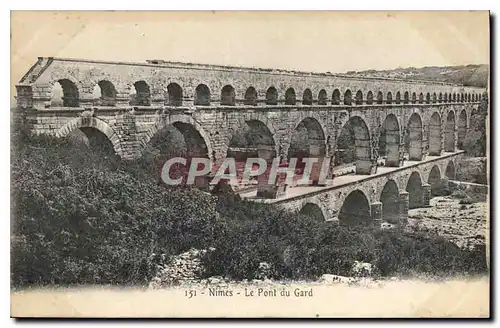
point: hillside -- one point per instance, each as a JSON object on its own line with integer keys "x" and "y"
{"x": 469, "y": 75}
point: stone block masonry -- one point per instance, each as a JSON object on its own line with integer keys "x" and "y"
{"x": 402, "y": 119}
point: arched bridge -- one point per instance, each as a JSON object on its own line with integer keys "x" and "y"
{"x": 413, "y": 127}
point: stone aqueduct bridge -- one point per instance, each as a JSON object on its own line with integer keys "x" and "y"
{"x": 209, "y": 104}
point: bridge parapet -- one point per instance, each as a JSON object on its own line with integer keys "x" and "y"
{"x": 201, "y": 85}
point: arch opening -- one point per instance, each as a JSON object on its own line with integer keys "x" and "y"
{"x": 369, "y": 98}
{"x": 390, "y": 202}
{"x": 450, "y": 170}
{"x": 389, "y": 141}
{"x": 312, "y": 211}
{"x": 307, "y": 97}
{"x": 398, "y": 97}
{"x": 174, "y": 95}
{"x": 179, "y": 139}
{"x": 336, "y": 97}
{"x": 64, "y": 94}
{"x": 435, "y": 135}
{"x": 449, "y": 133}
{"x": 322, "y": 97}
{"x": 271, "y": 96}
{"x": 413, "y": 142}
{"x": 140, "y": 94}
{"x": 348, "y": 97}
{"x": 421, "y": 98}
{"x": 251, "y": 97}
{"x": 359, "y": 98}
{"x": 354, "y": 133}
{"x": 251, "y": 140}
{"x": 104, "y": 94}
{"x": 290, "y": 98}
{"x": 202, "y": 95}
{"x": 308, "y": 140}
{"x": 406, "y": 97}
{"x": 414, "y": 98}
{"x": 415, "y": 191}
{"x": 462, "y": 129}
{"x": 355, "y": 210}
{"x": 93, "y": 139}
{"x": 227, "y": 96}
{"x": 389, "y": 98}
{"x": 380, "y": 98}
{"x": 434, "y": 180}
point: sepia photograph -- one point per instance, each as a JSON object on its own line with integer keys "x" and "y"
{"x": 250, "y": 164}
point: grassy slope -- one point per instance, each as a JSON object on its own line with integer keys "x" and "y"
{"x": 470, "y": 75}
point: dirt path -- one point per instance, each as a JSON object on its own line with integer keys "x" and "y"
{"x": 463, "y": 224}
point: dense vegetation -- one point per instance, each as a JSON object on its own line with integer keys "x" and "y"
{"x": 83, "y": 217}
{"x": 475, "y": 141}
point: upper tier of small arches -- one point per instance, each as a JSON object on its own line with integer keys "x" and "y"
{"x": 105, "y": 94}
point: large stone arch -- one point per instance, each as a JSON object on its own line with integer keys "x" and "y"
{"x": 312, "y": 129}
{"x": 192, "y": 131}
{"x": 434, "y": 179}
{"x": 434, "y": 138}
{"x": 314, "y": 209}
{"x": 390, "y": 202}
{"x": 258, "y": 134}
{"x": 355, "y": 131}
{"x": 414, "y": 134}
{"x": 355, "y": 209}
{"x": 449, "y": 133}
{"x": 389, "y": 140}
{"x": 95, "y": 123}
{"x": 241, "y": 123}
{"x": 462, "y": 129}
{"x": 415, "y": 189}
{"x": 450, "y": 170}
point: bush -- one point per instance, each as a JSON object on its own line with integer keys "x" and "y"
{"x": 299, "y": 247}
{"x": 85, "y": 217}
{"x": 475, "y": 139}
{"x": 78, "y": 221}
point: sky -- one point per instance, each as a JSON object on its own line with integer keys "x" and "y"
{"x": 325, "y": 41}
